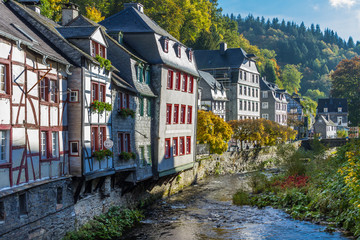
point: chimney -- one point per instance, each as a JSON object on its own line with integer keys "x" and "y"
{"x": 35, "y": 8}
{"x": 223, "y": 47}
{"x": 137, "y": 6}
{"x": 69, "y": 12}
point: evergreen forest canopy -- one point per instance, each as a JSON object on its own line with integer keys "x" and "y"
{"x": 297, "y": 58}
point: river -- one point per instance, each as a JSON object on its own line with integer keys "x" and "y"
{"x": 204, "y": 211}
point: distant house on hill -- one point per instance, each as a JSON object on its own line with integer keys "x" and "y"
{"x": 273, "y": 102}
{"x": 335, "y": 109}
{"x": 213, "y": 95}
{"x": 238, "y": 72}
{"x": 324, "y": 127}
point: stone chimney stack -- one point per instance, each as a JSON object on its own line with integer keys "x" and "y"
{"x": 223, "y": 47}
{"x": 69, "y": 12}
{"x": 137, "y": 6}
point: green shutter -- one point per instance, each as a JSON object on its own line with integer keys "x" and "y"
{"x": 147, "y": 76}
{"x": 148, "y": 107}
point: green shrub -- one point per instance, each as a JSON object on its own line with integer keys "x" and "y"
{"x": 110, "y": 225}
{"x": 241, "y": 198}
{"x": 258, "y": 182}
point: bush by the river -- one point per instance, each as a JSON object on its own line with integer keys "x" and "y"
{"x": 110, "y": 225}
{"x": 314, "y": 187}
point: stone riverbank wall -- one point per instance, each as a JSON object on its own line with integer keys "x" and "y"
{"x": 48, "y": 218}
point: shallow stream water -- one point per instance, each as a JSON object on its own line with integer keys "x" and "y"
{"x": 205, "y": 211}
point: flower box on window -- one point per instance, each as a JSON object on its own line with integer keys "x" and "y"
{"x": 127, "y": 155}
{"x": 126, "y": 112}
{"x": 101, "y": 154}
{"x": 97, "y": 106}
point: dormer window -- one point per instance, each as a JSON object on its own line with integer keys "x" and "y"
{"x": 325, "y": 109}
{"x": 165, "y": 44}
{"x": 190, "y": 54}
{"x": 339, "y": 109}
{"x": 179, "y": 51}
{"x": 98, "y": 49}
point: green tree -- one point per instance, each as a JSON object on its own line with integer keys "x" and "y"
{"x": 309, "y": 106}
{"x": 214, "y": 131}
{"x": 314, "y": 94}
{"x": 290, "y": 78}
{"x": 346, "y": 84}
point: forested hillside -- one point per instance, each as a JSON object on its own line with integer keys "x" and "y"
{"x": 293, "y": 56}
{"x": 315, "y": 52}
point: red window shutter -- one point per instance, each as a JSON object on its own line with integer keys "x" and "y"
{"x": 191, "y": 84}
{"x": 188, "y": 145}
{"x": 189, "y": 120}
{"x": 168, "y": 113}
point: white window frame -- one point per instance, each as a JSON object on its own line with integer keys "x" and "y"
{"x": 339, "y": 120}
{"x": 72, "y": 152}
{"x": 3, "y": 78}
{"x": 44, "y": 142}
{"x": 339, "y": 109}
{"x": 54, "y": 144}
{"x": 326, "y": 109}
{"x": 74, "y": 96}
{"x": 265, "y": 94}
{"x": 4, "y": 146}
{"x": 265, "y": 105}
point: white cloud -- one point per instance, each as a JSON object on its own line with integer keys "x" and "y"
{"x": 316, "y": 7}
{"x": 342, "y": 3}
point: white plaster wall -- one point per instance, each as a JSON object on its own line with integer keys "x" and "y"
{"x": 44, "y": 115}
{"x": 17, "y": 72}
{"x": 97, "y": 36}
{"x": 18, "y": 55}
{"x": 32, "y": 79}
{"x": 18, "y": 137}
{"x": 5, "y": 50}
{"x": 5, "y": 108}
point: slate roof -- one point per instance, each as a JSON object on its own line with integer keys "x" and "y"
{"x": 132, "y": 21}
{"x": 327, "y": 122}
{"x": 118, "y": 81}
{"x": 265, "y": 86}
{"x": 47, "y": 28}
{"x": 210, "y": 80}
{"x": 207, "y": 59}
{"x": 77, "y": 32}
{"x": 15, "y": 28}
{"x": 82, "y": 21}
{"x": 332, "y": 104}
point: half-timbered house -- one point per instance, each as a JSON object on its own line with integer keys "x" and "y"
{"x": 90, "y": 95}
{"x": 34, "y": 98}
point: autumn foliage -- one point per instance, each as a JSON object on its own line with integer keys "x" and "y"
{"x": 293, "y": 181}
{"x": 213, "y": 130}
{"x": 94, "y": 14}
{"x": 263, "y": 132}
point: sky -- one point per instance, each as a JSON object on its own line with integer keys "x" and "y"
{"x": 342, "y": 16}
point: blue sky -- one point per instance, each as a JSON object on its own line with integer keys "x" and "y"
{"x": 342, "y": 16}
